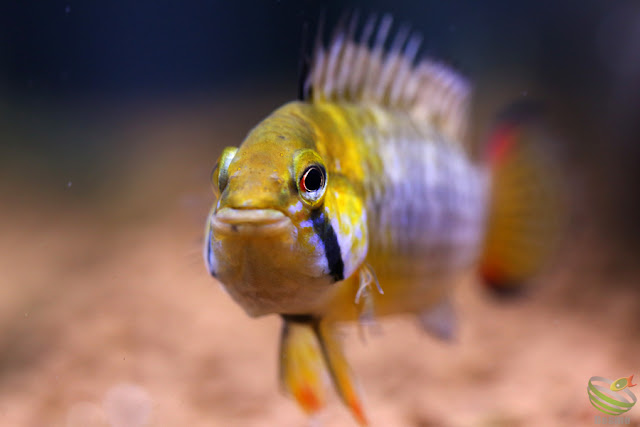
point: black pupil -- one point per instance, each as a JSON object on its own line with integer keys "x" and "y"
{"x": 313, "y": 179}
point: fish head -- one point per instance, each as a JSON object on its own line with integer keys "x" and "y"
{"x": 268, "y": 238}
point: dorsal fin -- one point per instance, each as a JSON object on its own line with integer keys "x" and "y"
{"x": 356, "y": 67}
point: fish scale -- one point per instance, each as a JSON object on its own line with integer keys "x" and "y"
{"x": 423, "y": 194}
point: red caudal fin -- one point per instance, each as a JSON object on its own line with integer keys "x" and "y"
{"x": 526, "y": 206}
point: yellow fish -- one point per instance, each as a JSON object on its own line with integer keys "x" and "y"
{"x": 622, "y": 383}
{"x": 360, "y": 200}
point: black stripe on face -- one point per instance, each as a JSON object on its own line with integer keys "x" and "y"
{"x": 299, "y": 318}
{"x": 327, "y": 235}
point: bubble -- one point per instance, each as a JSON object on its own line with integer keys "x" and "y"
{"x": 86, "y": 414}
{"x": 127, "y": 405}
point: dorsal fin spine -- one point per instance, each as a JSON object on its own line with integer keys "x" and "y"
{"x": 355, "y": 80}
{"x": 375, "y": 59}
{"x": 317, "y": 66}
{"x": 391, "y": 61}
{"x": 336, "y": 49}
{"x": 374, "y": 74}
{"x": 409, "y": 55}
{"x": 348, "y": 55}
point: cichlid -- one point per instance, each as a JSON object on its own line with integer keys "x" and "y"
{"x": 361, "y": 199}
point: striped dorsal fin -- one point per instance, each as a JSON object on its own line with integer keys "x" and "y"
{"x": 357, "y": 67}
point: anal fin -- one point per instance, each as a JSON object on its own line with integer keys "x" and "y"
{"x": 440, "y": 320}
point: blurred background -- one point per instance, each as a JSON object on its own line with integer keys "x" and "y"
{"x": 112, "y": 115}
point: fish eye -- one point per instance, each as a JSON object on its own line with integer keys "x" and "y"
{"x": 312, "y": 184}
{"x": 220, "y": 174}
{"x": 312, "y": 179}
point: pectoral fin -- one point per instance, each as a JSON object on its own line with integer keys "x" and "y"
{"x": 440, "y": 320}
{"x": 364, "y": 296}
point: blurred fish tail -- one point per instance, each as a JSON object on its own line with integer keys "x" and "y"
{"x": 526, "y": 204}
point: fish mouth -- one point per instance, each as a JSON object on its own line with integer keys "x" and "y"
{"x": 263, "y": 222}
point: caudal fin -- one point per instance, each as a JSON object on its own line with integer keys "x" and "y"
{"x": 526, "y": 202}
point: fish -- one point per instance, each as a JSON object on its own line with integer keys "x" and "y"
{"x": 363, "y": 199}
{"x": 622, "y": 383}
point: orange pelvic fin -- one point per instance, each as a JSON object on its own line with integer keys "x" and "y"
{"x": 340, "y": 371}
{"x": 302, "y": 367}
{"x": 308, "y": 347}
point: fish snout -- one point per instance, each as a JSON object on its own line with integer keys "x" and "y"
{"x": 255, "y": 191}
{"x": 230, "y": 221}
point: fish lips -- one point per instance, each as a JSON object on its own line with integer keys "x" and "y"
{"x": 250, "y": 222}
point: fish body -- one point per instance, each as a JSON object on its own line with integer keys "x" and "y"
{"x": 359, "y": 200}
{"x": 622, "y": 383}
{"x": 399, "y": 196}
